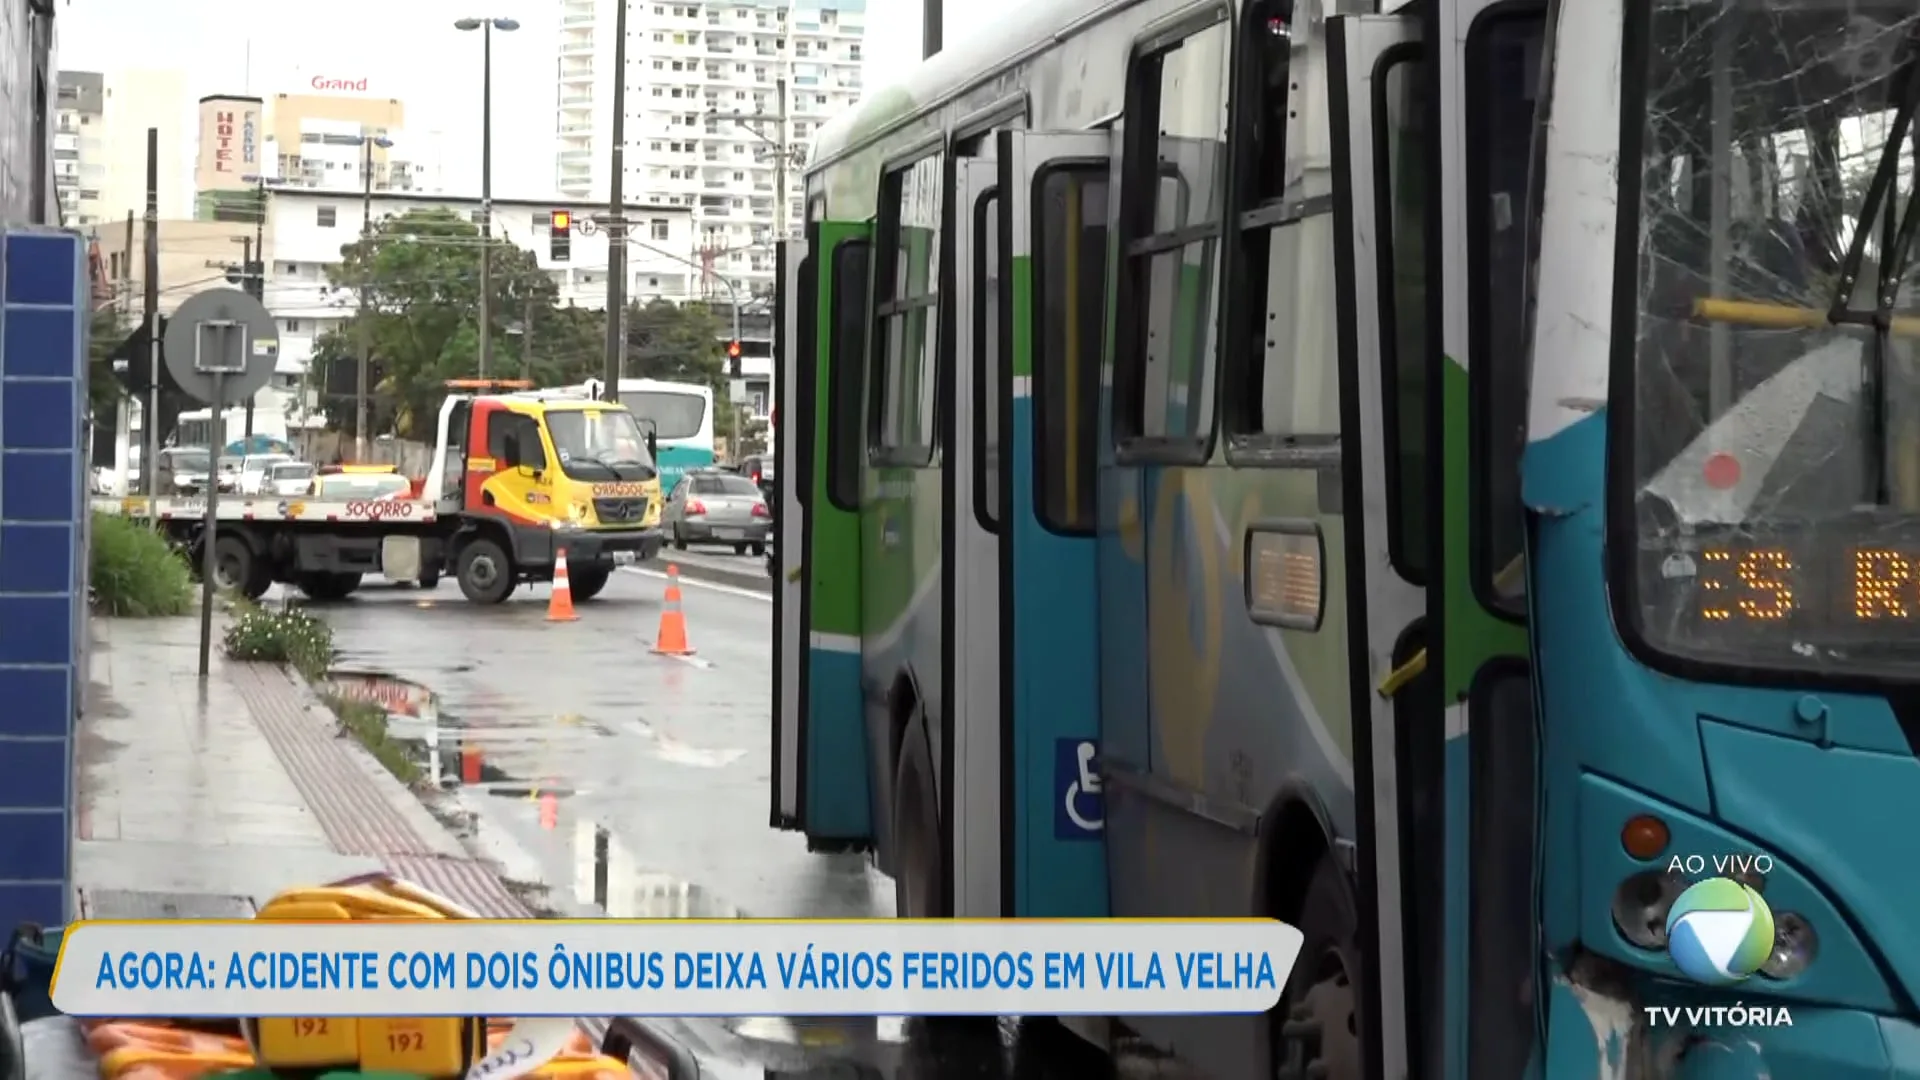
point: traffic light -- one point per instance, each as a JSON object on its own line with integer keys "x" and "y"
{"x": 560, "y": 236}
{"x": 733, "y": 359}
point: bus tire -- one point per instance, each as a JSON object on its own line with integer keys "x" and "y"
{"x": 1315, "y": 1029}
{"x": 586, "y": 582}
{"x": 919, "y": 886}
{"x": 484, "y": 571}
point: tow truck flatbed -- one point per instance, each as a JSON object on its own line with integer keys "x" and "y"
{"x": 261, "y": 508}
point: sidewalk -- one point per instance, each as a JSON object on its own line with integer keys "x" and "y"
{"x": 205, "y": 800}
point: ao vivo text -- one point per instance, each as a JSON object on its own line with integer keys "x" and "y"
{"x": 807, "y": 969}
{"x": 1721, "y": 865}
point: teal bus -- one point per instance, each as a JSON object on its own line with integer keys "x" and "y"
{"x": 1435, "y": 472}
{"x": 681, "y": 418}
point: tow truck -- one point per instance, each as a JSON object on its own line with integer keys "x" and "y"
{"x": 516, "y": 477}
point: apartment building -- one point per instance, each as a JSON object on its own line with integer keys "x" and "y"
{"x": 309, "y": 226}
{"x": 100, "y": 143}
{"x": 706, "y": 122}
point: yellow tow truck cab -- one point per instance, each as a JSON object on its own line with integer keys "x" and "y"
{"x": 530, "y": 474}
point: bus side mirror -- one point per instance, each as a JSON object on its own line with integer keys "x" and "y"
{"x": 653, "y": 445}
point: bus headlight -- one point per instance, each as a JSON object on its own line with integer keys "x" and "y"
{"x": 1795, "y": 945}
{"x": 1641, "y": 904}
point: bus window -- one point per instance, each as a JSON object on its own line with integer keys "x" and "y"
{"x": 846, "y": 361}
{"x": 1070, "y": 289}
{"x": 1503, "y": 57}
{"x": 1289, "y": 385}
{"x": 986, "y": 348}
{"x": 907, "y": 315}
{"x": 1170, "y": 284}
{"x": 1400, "y": 211}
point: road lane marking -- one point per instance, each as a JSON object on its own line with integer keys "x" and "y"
{"x": 696, "y": 583}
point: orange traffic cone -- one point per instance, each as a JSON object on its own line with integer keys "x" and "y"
{"x": 560, "y": 604}
{"x": 672, "y": 638}
{"x": 549, "y": 810}
{"x": 469, "y": 764}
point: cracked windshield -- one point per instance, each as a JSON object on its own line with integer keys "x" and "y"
{"x": 1776, "y": 435}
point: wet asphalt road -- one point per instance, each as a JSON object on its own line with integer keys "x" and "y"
{"x": 624, "y": 782}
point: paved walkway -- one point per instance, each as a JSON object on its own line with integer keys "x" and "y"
{"x": 207, "y": 798}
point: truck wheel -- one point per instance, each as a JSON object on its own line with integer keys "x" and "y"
{"x": 328, "y": 587}
{"x": 233, "y": 565}
{"x": 586, "y": 582}
{"x": 1315, "y": 1030}
{"x": 678, "y": 540}
{"x": 484, "y": 571}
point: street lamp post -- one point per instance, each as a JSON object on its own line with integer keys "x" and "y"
{"x": 486, "y": 26}
{"x": 365, "y": 342}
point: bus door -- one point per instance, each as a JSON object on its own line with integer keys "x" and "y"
{"x": 1484, "y": 87}
{"x": 793, "y": 317}
{"x": 1376, "y": 77}
{"x": 1052, "y": 219}
{"x": 972, "y": 788}
{"x": 820, "y": 784}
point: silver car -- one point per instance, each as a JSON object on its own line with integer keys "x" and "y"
{"x": 718, "y": 508}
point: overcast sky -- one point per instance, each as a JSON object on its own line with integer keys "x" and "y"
{"x": 406, "y": 49}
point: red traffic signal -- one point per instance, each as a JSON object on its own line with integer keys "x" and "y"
{"x": 562, "y": 221}
{"x": 560, "y": 236}
{"x": 733, "y": 350}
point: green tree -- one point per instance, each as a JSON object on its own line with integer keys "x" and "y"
{"x": 675, "y": 342}
{"x": 421, "y": 273}
{"x": 103, "y": 336}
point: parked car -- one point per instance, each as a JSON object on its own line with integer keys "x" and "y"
{"x": 228, "y": 478}
{"x": 288, "y": 479}
{"x": 714, "y": 507}
{"x": 254, "y": 469}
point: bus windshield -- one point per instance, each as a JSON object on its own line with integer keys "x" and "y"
{"x": 599, "y": 444}
{"x": 1775, "y": 430}
{"x": 678, "y": 415}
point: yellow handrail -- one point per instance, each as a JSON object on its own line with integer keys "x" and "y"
{"x": 1782, "y": 316}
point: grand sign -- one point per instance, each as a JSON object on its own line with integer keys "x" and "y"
{"x": 322, "y": 82}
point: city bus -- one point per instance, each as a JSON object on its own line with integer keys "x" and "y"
{"x": 1432, "y": 473}
{"x": 680, "y": 415}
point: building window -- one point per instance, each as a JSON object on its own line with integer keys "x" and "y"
{"x": 293, "y": 327}
{"x": 659, "y": 230}
{"x": 1170, "y": 276}
{"x": 900, "y": 420}
{"x": 324, "y": 216}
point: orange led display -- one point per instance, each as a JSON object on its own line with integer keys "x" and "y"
{"x": 1853, "y": 585}
{"x": 1746, "y": 585}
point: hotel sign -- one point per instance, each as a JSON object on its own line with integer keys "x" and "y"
{"x": 236, "y": 135}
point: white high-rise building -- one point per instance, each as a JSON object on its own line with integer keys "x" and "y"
{"x": 692, "y": 65}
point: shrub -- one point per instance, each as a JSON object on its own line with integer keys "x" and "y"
{"x": 368, "y": 723}
{"x": 287, "y": 636}
{"x": 135, "y": 571}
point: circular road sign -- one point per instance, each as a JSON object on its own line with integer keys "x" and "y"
{"x": 250, "y": 332}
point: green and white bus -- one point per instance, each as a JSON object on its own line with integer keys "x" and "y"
{"x": 1292, "y": 458}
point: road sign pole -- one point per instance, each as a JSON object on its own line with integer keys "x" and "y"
{"x": 209, "y": 557}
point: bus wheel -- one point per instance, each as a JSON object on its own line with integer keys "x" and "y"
{"x": 1316, "y": 1027}
{"x": 484, "y": 571}
{"x": 919, "y": 892}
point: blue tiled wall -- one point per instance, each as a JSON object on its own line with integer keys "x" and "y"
{"x": 43, "y": 596}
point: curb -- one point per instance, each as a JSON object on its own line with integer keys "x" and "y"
{"x": 755, "y": 580}
{"x": 304, "y": 733}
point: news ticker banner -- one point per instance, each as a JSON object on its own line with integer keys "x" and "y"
{"x": 613, "y": 967}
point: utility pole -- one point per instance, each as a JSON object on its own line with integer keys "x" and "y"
{"x": 151, "y": 463}
{"x": 933, "y": 16}
{"x": 257, "y": 282}
{"x": 486, "y": 205}
{"x": 248, "y": 284}
{"x": 361, "y": 329}
{"x": 616, "y": 212}
{"x": 526, "y": 342}
{"x": 780, "y": 149}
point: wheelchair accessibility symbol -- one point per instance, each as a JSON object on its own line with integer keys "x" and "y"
{"x": 1080, "y": 813}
